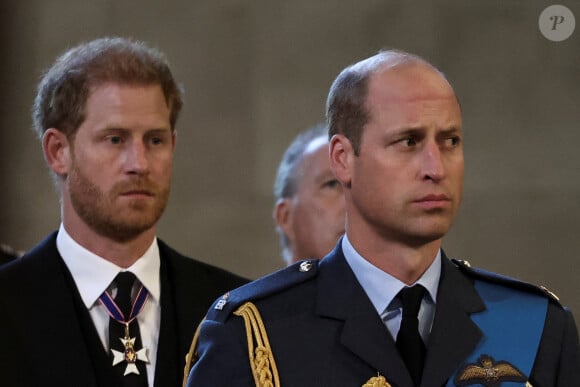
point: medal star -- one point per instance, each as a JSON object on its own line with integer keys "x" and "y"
{"x": 131, "y": 369}
{"x": 142, "y": 355}
{"x": 128, "y": 342}
{"x": 130, "y": 356}
{"x": 118, "y": 357}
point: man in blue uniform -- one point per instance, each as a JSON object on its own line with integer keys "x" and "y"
{"x": 386, "y": 307}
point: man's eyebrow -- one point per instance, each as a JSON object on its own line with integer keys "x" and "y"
{"x": 117, "y": 128}
{"x": 451, "y": 130}
{"x": 411, "y": 130}
{"x": 159, "y": 130}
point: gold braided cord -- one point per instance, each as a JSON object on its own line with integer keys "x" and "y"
{"x": 377, "y": 381}
{"x": 261, "y": 357}
{"x": 190, "y": 357}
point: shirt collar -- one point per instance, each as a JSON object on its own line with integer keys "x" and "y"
{"x": 93, "y": 274}
{"x": 381, "y": 287}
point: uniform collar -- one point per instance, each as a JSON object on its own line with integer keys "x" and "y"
{"x": 381, "y": 287}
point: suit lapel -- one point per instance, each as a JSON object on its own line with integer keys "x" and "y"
{"x": 51, "y": 296}
{"x": 168, "y": 364}
{"x": 185, "y": 297}
{"x": 454, "y": 335}
{"x": 341, "y": 297}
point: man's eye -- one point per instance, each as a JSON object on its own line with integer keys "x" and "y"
{"x": 454, "y": 141}
{"x": 115, "y": 139}
{"x": 156, "y": 140}
{"x": 331, "y": 183}
{"x": 410, "y": 141}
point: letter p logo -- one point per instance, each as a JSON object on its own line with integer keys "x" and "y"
{"x": 556, "y": 20}
{"x": 557, "y": 23}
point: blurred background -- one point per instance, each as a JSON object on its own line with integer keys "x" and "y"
{"x": 257, "y": 72}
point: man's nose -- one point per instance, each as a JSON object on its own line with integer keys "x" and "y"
{"x": 432, "y": 162}
{"x": 136, "y": 158}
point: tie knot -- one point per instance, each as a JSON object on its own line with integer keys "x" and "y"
{"x": 411, "y": 298}
{"x": 124, "y": 281}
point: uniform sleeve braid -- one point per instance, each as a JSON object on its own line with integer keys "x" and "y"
{"x": 190, "y": 357}
{"x": 260, "y": 353}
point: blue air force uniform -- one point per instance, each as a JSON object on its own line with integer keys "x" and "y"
{"x": 312, "y": 324}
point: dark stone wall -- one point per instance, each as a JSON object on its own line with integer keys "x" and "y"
{"x": 257, "y": 72}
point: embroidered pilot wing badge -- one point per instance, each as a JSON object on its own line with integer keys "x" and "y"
{"x": 489, "y": 373}
{"x": 377, "y": 381}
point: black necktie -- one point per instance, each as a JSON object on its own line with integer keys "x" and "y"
{"x": 124, "y": 281}
{"x": 409, "y": 340}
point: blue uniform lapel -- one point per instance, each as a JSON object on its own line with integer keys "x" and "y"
{"x": 454, "y": 335}
{"x": 364, "y": 334}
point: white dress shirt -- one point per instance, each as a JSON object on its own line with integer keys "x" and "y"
{"x": 382, "y": 288}
{"x": 93, "y": 275}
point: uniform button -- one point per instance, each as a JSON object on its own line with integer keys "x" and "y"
{"x": 305, "y": 266}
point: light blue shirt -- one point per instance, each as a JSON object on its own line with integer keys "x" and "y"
{"x": 382, "y": 288}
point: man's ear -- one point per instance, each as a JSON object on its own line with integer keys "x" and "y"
{"x": 57, "y": 151}
{"x": 341, "y": 158}
{"x": 282, "y": 215}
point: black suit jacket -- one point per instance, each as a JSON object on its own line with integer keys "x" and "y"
{"x": 7, "y": 254}
{"x": 48, "y": 339}
{"x": 324, "y": 331}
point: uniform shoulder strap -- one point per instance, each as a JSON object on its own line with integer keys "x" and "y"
{"x": 240, "y": 302}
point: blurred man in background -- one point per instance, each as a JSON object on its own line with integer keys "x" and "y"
{"x": 309, "y": 208}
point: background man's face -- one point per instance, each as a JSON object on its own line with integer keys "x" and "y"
{"x": 316, "y": 217}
